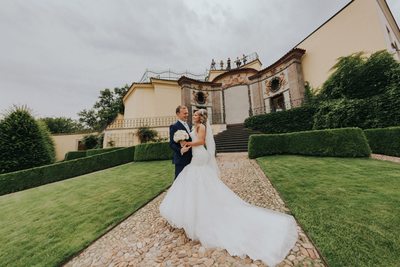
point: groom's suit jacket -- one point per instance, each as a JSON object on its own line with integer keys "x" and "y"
{"x": 179, "y": 159}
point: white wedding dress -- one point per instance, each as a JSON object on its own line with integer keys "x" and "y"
{"x": 200, "y": 203}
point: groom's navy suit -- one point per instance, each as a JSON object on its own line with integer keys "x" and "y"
{"x": 179, "y": 160}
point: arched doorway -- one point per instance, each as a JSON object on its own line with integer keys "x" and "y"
{"x": 236, "y": 103}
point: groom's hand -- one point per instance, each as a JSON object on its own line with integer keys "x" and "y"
{"x": 183, "y": 143}
{"x": 185, "y": 149}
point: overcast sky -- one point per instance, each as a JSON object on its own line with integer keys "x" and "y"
{"x": 55, "y": 56}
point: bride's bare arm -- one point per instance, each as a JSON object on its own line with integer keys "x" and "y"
{"x": 201, "y": 135}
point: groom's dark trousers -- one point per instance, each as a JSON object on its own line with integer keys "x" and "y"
{"x": 179, "y": 160}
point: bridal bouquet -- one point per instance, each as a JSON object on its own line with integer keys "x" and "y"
{"x": 180, "y": 135}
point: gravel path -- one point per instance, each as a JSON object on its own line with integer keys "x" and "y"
{"x": 384, "y": 157}
{"x": 146, "y": 239}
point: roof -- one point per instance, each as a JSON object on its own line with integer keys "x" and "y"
{"x": 235, "y": 71}
{"x": 185, "y": 79}
{"x": 294, "y": 53}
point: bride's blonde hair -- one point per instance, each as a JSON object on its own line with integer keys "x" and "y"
{"x": 203, "y": 115}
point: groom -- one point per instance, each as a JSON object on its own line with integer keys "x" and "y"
{"x": 182, "y": 152}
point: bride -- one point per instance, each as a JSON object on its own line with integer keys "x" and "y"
{"x": 200, "y": 203}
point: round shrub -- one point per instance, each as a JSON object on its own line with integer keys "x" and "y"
{"x": 24, "y": 143}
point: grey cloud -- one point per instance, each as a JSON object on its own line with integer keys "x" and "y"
{"x": 55, "y": 56}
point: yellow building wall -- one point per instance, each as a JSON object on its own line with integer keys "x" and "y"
{"x": 356, "y": 28}
{"x": 66, "y": 142}
{"x": 167, "y": 98}
{"x": 140, "y": 103}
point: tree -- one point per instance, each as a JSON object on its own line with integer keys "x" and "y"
{"x": 361, "y": 92}
{"x": 357, "y": 76}
{"x": 105, "y": 110}
{"x": 24, "y": 143}
{"x": 62, "y": 125}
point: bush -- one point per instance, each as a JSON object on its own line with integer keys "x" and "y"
{"x": 20, "y": 180}
{"x": 75, "y": 155}
{"x": 293, "y": 120}
{"x": 375, "y": 112}
{"x": 23, "y": 142}
{"x": 153, "y": 151}
{"x": 346, "y": 142}
{"x": 90, "y": 141}
{"x": 384, "y": 141}
{"x": 343, "y": 113}
{"x": 146, "y": 134}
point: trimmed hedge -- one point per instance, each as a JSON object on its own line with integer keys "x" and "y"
{"x": 92, "y": 152}
{"x": 384, "y": 141}
{"x": 86, "y": 153}
{"x": 20, "y": 180}
{"x": 345, "y": 142}
{"x": 293, "y": 120}
{"x": 75, "y": 155}
{"x": 153, "y": 151}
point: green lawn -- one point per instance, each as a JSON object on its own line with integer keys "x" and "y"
{"x": 44, "y": 226}
{"x": 349, "y": 207}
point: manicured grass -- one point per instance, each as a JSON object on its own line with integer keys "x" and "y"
{"x": 44, "y": 226}
{"x": 349, "y": 207}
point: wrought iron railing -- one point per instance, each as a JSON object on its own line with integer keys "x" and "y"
{"x": 170, "y": 75}
{"x": 234, "y": 63}
{"x": 217, "y": 118}
{"x": 285, "y": 106}
{"x": 142, "y": 122}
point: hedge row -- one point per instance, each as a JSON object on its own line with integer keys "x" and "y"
{"x": 293, "y": 120}
{"x": 90, "y": 152}
{"x": 374, "y": 112}
{"x": 75, "y": 155}
{"x": 384, "y": 141}
{"x": 20, "y": 180}
{"x": 153, "y": 151}
{"x": 346, "y": 142}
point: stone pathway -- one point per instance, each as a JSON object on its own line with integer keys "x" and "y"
{"x": 384, "y": 157}
{"x": 146, "y": 239}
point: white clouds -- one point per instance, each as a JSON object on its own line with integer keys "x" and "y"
{"x": 55, "y": 56}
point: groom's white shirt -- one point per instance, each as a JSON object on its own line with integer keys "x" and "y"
{"x": 184, "y": 123}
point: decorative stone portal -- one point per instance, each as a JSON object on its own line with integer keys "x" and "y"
{"x": 237, "y": 94}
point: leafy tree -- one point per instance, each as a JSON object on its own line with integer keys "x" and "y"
{"x": 357, "y": 76}
{"x": 62, "y": 125}
{"x": 24, "y": 143}
{"x": 362, "y": 92}
{"x": 105, "y": 110}
{"x": 311, "y": 98}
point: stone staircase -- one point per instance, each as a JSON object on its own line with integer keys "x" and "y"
{"x": 234, "y": 139}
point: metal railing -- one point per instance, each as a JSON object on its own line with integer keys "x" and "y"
{"x": 286, "y": 106}
{"x": 142, "y": 122}
{"x": 170, "y": 75}
{"x": 217, "y": 118}
{"x": 234, "y": 63}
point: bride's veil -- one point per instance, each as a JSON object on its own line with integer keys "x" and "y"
{"x": 210, "y": 144}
